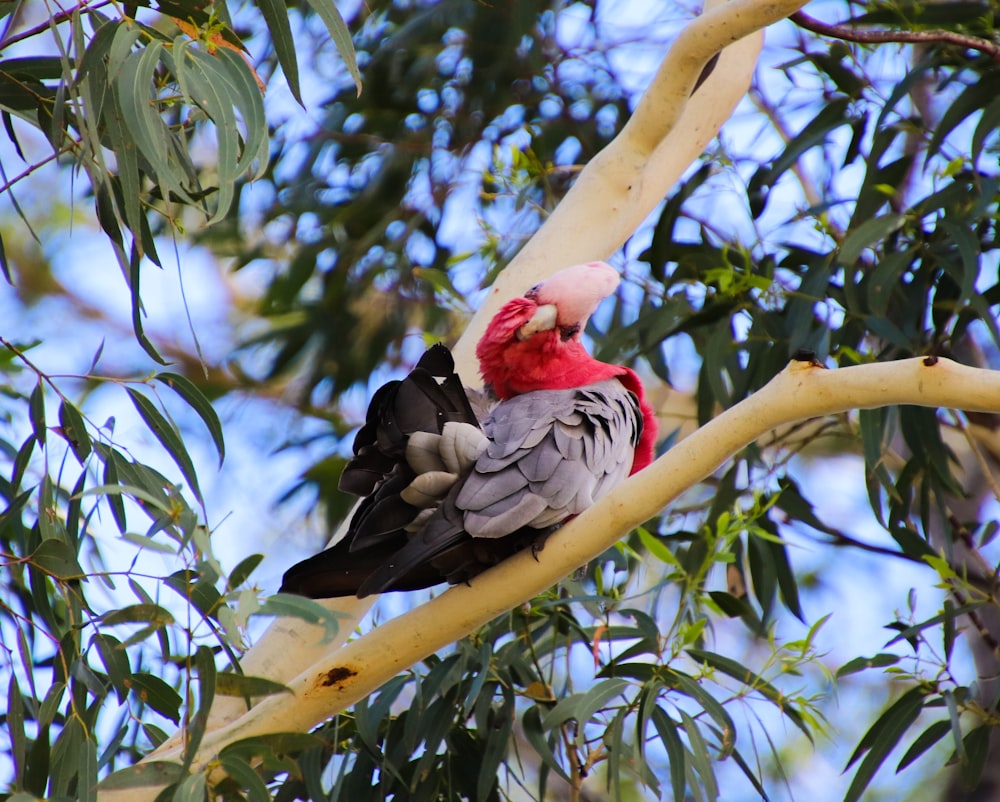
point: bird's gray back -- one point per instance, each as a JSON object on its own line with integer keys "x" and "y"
{"x": 551, "y": 455}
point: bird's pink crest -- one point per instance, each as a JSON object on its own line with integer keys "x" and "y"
{"x": 578, "y": 290}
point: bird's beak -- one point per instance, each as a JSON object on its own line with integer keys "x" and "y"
{"x": 544, "y": 319}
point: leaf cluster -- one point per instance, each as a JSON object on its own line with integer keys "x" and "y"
{"x": 99, "y": 649}
{"x": 127, "y": 100}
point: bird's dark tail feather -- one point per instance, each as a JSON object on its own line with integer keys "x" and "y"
{"x": 430, "y": 396}
{"x": 338, "y": 571}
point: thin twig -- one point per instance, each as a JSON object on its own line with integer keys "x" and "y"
{"x": 35, "y": 166}
{"x": 850, "y": 34}
{"x": 62, "y": 16}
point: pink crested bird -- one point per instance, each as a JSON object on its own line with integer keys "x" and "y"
{"x": 447, "y": 494}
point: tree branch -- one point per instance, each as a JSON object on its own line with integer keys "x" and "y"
{"x": 850, "y": 34}
{"x": 803, "y": 390}
{"x": 667, "y": 132}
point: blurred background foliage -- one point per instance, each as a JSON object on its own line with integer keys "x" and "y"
{"x": 849, "y": 210}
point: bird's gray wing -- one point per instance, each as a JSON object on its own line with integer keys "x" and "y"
{"x": 552, "y": 453}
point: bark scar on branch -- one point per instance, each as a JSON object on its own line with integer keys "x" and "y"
{"x": 336, "y": 675}
{"x": 850, "y": 34}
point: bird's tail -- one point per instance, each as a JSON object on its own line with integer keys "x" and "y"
{"x": 424, "y": 401}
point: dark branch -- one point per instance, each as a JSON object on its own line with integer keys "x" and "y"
{"x": 847, "y": 33}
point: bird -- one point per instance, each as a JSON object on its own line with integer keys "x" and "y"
{"x": 453, "y": 481}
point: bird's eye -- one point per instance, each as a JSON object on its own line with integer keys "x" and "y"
{"x": 568, "y": 332}
{"x": 532, "y": 294}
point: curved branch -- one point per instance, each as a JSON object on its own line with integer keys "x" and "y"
{"x": 667, "y": 131}
{"x": 850, "y": 34}
{"x": 803, "y": 390}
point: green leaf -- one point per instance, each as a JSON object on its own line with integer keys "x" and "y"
{"x": 885, "y": 279}
{"x": 50, "y": 704}
{"x": 86, "y": 770}
{"x": 156, "y": 693}
{"x": 880, "y": 660}
{"x": 58, "y": 559}
{"x": 196, "y": 589}
{"x": 167, "y": 436}
{"x": 700, "y": 755}
{"x": 760, "y": 560}
{"x": 272, "y": 744}
{"x": 201, "y": 83}
{"x": 496, "y": 748}
{"x": 691, "y": 687}
{"x": 4, "y": 263}
{"x": 36, "y": 413}
{"x": 242, "y": 571}
{"x": 831, "y": 116}
{"x": 110, "y": 479}
{"x": 117, "y": 490}
{"x": 949, "y": 629}
{"x": 49, "y": 522}
{"x": 134, "y": 264}
{"x": 786, "y": 578}
{"x": 532, "y": 723}
{"x": 36, "y": 772}
{"x": 275, "y": 13}
{"x": 139, "y": 614}
{"x": 146, "y": 542}
{"x": 988, "y": 123}
{"x": 666, "y": 728}
{"x": 869, "y": 233}
{"x": 229, "y": 683}
{"x": 245, "y": 777}
{"x": 934, "y": 733}
{"x": 192, "y": 788}
{"x": 104, "y": 109}
{"x": 125, "y": 36}
{"x": 21, "y": 462}
{"x": 15, "y": 728}
{"x": 327, "y": 11}
{"x": 204, "y": 662}
{"x": 977, "y": 749}
{"x": 116, "y": 663}
{"x": 187, "y": 390}
{"x": 68, "y": 744}
{"x": 245, "y": 95}
{"x": 749, "y": 774}
{"x": 881, "y": 738}
{"x": 140, "y": 109}
{"x": 656, "y": 547}
{"x": 582, "y": 706}
{"x": 873, "y": 426}
{"x": 952, "y": 612}
{"x": 977, "y": 96}
{"x": 74, "y": 430}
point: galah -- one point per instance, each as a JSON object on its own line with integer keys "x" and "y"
{"x": 449, "y": 492}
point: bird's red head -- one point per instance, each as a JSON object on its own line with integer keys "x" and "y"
{"x": 533, "y": 342}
